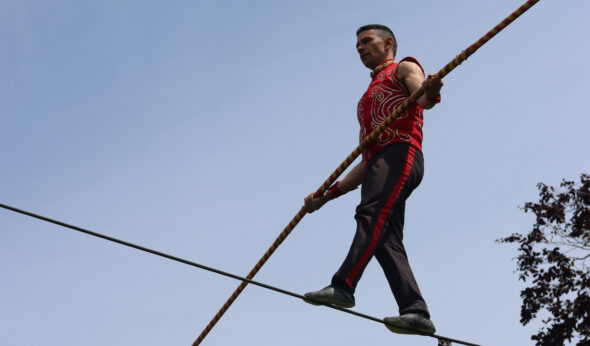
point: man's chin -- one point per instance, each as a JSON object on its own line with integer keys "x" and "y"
{"x": 368, "y": 64}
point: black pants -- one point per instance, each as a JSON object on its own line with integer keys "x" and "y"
{"x": 390, "y": 177}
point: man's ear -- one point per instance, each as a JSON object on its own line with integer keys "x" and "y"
{"x": 388, "y": 43}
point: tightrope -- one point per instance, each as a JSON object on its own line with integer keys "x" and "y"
{"x": 363, "y": 145}
{"x": 211, "y": 269}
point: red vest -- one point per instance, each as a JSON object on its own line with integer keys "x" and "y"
{"x": 384, "y": 94}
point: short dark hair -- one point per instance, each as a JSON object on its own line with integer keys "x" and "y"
{"x": 383, "y": 31}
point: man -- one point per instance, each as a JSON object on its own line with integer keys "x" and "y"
{"x": 392, "y": 167}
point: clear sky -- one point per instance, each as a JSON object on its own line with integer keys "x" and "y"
{"x": 197, "y": 127}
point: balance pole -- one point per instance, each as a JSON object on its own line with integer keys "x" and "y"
{"x": 366, "y": 142}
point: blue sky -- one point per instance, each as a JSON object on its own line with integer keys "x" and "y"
{"x": 196, "y": 128}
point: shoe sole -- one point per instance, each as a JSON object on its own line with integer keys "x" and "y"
{"x": 404, "y": 328}
{"x": 320, "y": 301}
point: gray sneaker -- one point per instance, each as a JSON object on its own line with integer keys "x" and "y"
{"x": 331, "y": 295}
{"x": 410, "y": 323}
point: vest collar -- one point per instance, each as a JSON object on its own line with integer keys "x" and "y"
{"x": 381, "y": 67}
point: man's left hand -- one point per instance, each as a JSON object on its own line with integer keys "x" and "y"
{"x": 432, "y": 86}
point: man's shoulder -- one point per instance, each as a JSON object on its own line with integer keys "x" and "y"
{"x": 409, "y": 62}
{"x": 408, "y": 65}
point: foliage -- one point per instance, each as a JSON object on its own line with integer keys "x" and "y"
{"x": 552, "y": 260}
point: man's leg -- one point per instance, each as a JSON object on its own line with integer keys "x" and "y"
{"x": 391, "y": 254}
{"x": 392, "y": 257}
{"x": 385, "y": 177}
{"x": 384, "y": 189}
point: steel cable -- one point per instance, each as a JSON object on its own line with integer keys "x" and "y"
{"x": 211, "y": 269}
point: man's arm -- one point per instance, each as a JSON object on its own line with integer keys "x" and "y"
{"x": 412, "y": 76}
{"x": 354, "y": 178}
{"x": 350, "y": 182}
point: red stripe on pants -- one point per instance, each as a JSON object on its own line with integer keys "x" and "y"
{"x": 382, "y": 217}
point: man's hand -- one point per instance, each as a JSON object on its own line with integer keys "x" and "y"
{"x": 349, "y": 183}
{"x": 314, "y": 203}
{"x": 432, "y": 86}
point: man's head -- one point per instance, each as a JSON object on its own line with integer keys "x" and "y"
{"x": 375, "y": 44}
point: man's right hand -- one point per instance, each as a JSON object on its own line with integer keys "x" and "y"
{"x": 314, "y": 203}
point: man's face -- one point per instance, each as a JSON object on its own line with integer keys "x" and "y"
{"x": 373, "y": 50}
